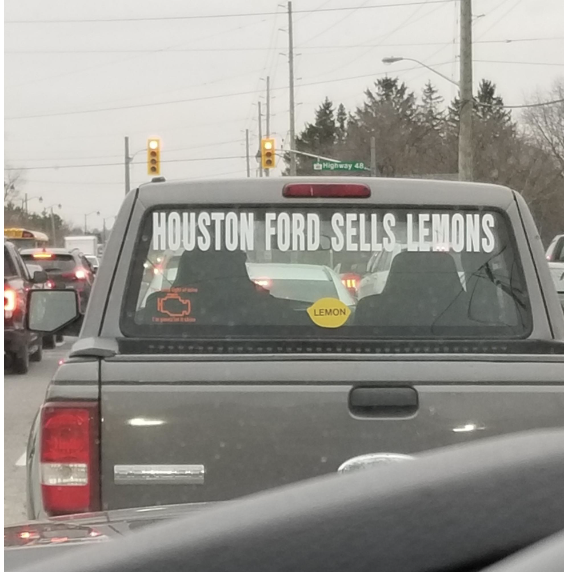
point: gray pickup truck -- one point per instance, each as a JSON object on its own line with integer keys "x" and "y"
{"x": 219, "y": 356}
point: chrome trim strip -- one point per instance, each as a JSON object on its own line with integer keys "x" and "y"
{"x": 159, "y": 474}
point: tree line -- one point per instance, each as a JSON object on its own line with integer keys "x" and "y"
{"x": 417, "y": 135}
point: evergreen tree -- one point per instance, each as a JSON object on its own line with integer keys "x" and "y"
{"x": 319, "y": 138}
{"x": 432, "y": 114}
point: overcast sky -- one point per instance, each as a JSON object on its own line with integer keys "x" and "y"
{"x": 58, "y": 74}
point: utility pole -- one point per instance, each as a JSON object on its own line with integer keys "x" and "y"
{"x": 247, "y": 149}
{"x": 127, "y": 162}
{"x": 292, "y": 102}
{"x": 260, "y": 137}
{"x": 267, "y": 173}
{"x": 373, "y": 171}
{"x": 85, "y": 224}
{"x": 465, "y": 154}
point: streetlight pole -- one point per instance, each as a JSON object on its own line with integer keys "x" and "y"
{"x": 393, "y": 60}
{"x": 53, "y": 227}
{"x": 27, "y": 199}
{"x": 86, "y": 220}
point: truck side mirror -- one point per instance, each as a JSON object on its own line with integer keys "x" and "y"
{"x": 52, "y": 310}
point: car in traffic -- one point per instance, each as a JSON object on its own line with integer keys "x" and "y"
{"x": 557, "y": 271}
{"x": 555, "y": 250}
{"x": 94, "y": 262}
{"x": 212, "y": 386}
{"x": 64, "y": 269}
{"x": 21, "y": 345}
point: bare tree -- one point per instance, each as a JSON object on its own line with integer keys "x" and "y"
{"x": 12, "y": 181}
{"x": 546, "y": 122}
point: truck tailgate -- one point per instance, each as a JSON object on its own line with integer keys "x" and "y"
{"x": 176, "y": 431}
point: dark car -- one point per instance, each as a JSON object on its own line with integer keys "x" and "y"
{"x": 65, "y": 269}
{"x": 20, "y": 344}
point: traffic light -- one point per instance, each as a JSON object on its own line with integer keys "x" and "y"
{"x": 268, "y": 153}
{"x": 154, "y": 157}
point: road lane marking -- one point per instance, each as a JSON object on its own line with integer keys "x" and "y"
{"x": 22, "y": 461}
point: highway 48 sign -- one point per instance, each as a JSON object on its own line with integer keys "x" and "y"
{"x": 343, "y": 166}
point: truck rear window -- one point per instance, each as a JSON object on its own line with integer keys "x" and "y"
{"x": 52, "y": 263}
{"x": 296, "y": 273}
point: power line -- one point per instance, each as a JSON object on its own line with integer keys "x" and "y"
{"x": 526, "y": 105}
{"x": 506, "y": 13}
{"x": 231, "y": 15}
{"x": 262, "y": 48}
{"x": 188, "y": 100}
{"x": 520, "y": 63}
{"x": 216, "y": 96}
{"x": 117, "y": 155}
{"x": 120, "y": 164}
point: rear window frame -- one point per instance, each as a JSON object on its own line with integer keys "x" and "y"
{"x": 130, "y": 329}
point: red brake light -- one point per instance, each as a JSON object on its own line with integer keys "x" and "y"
{"x": 69, "y": 457}
{"x": 351, "y": 282}
{"x": 49, "y": 284}
{"x": 80, "y": 274}
{"x": 326, "y": 190}
{"x": 42, "y": 255}
{"x": 10, "y": 300}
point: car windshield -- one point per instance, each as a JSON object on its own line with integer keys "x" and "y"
{"x": 52, "y": 263}
{"x": 450, "y": 274}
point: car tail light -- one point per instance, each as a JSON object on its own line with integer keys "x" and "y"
{"x": 326, "y": 190}
{"x": 69, "y": 458}
{"x": 351, "y": 282}
{"x": 10, "y": 300}
{"x": 42, "y": 255}
{"x": 263, "y": 282}
{"x": 50, "y": 284}
{"x": 80, "y": 274}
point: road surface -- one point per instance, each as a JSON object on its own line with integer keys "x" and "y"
{"x": 23, "y": 395}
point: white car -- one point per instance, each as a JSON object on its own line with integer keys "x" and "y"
{"x": 301, "y": 282}
{"x": 555, "y": 251}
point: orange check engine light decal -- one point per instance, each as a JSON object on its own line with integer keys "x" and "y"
{"x": 174, "y": 308}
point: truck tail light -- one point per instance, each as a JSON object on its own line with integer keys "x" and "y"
{"x": 80, "y": 274}
{"x": 69, "y": 457}
{"x": 326, "y": 190}
{"x": 10, "y": 300}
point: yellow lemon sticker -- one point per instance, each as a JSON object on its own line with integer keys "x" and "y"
{"x": 329, "y": 313}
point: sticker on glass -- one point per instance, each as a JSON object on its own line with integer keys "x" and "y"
{"x": 329, "y": 313}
